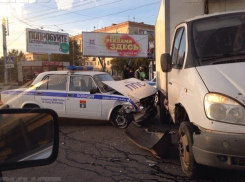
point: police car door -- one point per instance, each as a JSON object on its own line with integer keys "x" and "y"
{"x": 51, "y": 94}
{"x": 79, "y": 101}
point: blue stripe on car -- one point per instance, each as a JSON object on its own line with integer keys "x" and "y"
{"x": 75, "y": 95}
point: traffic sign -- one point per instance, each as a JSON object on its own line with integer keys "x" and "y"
{"x": 9, "y": 62}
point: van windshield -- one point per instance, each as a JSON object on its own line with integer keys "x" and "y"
{"x": 220, "y": 37}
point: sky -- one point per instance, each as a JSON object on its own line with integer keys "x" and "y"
{"x": 71, "y": 16}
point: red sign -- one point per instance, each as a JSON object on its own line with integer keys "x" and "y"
{"x": 125, "y": 45}
{"x": 52, "y": 63}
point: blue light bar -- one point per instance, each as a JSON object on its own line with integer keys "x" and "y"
{"x": 80, "y": 68}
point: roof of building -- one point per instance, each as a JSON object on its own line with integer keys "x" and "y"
{"x": 127, "y": 23}
{"x": 123, "y": 24}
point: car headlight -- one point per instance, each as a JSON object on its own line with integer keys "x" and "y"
{"x": 221, "y": 108}
{"x": 128, "y": 108}
{"x": 139, "y": 106}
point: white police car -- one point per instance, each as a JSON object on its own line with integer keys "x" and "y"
{"x": 87, "y": 95}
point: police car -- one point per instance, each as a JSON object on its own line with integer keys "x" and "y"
{"x": 88, "y": 95}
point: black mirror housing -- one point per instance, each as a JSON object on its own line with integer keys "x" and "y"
{"x": 30, "y": 137}
{"x": 94, "y": 91}
{"x": 166, "y": 61}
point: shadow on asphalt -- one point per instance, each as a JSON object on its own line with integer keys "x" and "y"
{"x": 207, "y": 173}
{"x": 83, "y": 122}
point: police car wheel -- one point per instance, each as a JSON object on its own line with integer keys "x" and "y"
{"x": 118, "y": 120}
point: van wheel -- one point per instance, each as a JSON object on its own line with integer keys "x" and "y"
{"x": 188, "y": 163}
{"x": 118, "y": 120}
{"x": 32, "y": 106}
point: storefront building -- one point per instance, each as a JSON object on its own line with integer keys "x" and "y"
{"x": 28, "y": 70}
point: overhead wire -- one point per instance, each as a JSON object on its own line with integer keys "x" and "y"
{"x": 98, "y": 16}
{"x": 109, "y": 14}
{"x": 16, "y": 38}
{"x": 84, "y": 20}
{"x": 75, "y": 12}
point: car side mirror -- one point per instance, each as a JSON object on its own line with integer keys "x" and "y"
{"x": 166, "y": 61}
{"x": 28, "y": 138}
{"x": 94, "y": 91}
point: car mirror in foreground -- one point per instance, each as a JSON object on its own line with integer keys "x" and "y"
{"x": 28, "y": 138}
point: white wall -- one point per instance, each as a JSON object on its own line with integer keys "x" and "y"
{"x": 171, "y": 13}
{"x": 226, "y": 5}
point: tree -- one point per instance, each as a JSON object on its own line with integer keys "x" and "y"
{"x": 64, "y": 57}
{"x": 117, "y": 64}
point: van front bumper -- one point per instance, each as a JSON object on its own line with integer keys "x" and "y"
{"x": 219, "y": 150}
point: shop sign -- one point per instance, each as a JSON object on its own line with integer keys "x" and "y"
{"x": 52, "y": 63}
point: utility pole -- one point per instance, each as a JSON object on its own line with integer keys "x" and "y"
{"x": 73, "y": 52}
{"x": 49, "y": 57}
{"x": 5, "y": 50}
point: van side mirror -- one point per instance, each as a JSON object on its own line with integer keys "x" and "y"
{"x": 166, "y": 61}
{"x": 94, "y": 91}
{"x": 28, "y": 138}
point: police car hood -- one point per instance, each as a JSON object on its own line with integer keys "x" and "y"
{"x": 132, "y": 88}
{"x": 227, "y": 79}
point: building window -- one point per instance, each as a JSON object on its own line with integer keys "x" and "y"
{"x": 91, "y": 64}
{"x": 95, "y": 63}
{"x": 108, "y": 62}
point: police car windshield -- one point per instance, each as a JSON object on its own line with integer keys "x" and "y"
{"x": 103, "y": 77}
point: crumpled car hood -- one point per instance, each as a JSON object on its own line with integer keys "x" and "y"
{"x": 228, "y": 79}
{"x": 132, "y": 88}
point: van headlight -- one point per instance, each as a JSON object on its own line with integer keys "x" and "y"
{"x": 221, "y": 108}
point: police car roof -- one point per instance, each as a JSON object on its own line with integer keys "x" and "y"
{"x": 92, "y": 73}
{"x": 41, "y": 75}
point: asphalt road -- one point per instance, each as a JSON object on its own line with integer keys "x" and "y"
{"x": 97, "y": 151}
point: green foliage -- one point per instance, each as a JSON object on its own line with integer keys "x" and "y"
{"x": 65, "y": 58}
{"x": 118, "y": 63}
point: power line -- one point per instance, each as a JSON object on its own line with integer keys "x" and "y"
{"x": 16, "y": 38}
{"x": 51, "y": 9}
{"x": 30, "y": 24}
{"x": 110, "y": 14}
{"x": 23, "y": 21}
{"x": 78, "y": 11}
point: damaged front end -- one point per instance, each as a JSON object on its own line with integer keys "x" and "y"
{"x": 140, "y": 104}
{"x": 140, "y": 112}
{"x": 146, "y": 109}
